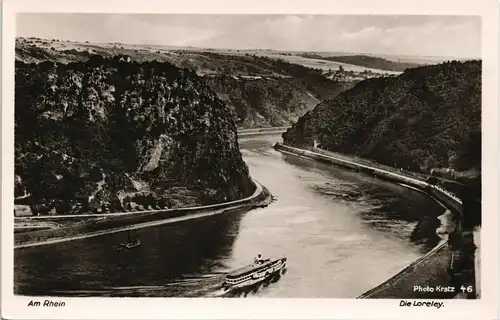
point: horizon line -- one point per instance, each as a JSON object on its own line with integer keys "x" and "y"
{"x": 379, "y": 54}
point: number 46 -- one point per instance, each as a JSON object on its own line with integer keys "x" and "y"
{"x": 464, "y": 289}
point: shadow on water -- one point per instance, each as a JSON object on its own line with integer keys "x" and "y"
{"x": 170, "y": 260}
{"x": 393, "y": 208}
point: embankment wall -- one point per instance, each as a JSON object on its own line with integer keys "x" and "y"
{"x": 248, "y": 133}
{"x": 115, "y": 222}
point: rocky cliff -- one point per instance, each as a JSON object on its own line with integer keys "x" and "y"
{"x": 111, "y": 135}
{"x": 276, "y": 93}
{"x": 425, "y": 118}
{"x": 265, "y": 102}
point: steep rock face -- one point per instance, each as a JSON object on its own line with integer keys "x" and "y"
{"x": 110, "y": 133}
{"x": 263, "y": 102}
{"x": 427, "y": 117}
{"x": 277, "y": 93}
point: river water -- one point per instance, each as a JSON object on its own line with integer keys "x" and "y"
{"x": 343, "y": 233}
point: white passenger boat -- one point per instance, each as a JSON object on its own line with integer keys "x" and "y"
{"x": 260, "y": 270}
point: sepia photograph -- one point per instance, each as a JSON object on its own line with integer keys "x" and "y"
{"x": 246, "y": 155}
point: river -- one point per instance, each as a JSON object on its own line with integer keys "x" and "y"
{"x": 343, "y": 233}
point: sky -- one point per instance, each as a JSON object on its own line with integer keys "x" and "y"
{"x": 438, "y": 36}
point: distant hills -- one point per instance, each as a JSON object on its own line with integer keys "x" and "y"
{"x": 367, "y": 61}
{"x": 263, "y": 87}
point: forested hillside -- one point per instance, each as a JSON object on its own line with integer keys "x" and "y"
{"x": 425, "y": 118}
{"x": 109, "y": 134}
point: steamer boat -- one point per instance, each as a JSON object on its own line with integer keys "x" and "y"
{"x": 261, "y": 270}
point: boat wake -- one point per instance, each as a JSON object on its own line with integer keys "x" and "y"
{"x": 126, "y": 291}
{"x": 196, "y": 286}
{"x": 218, "y": 293}
{"x": 192, "y": 286}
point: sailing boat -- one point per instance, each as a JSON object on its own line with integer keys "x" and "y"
{"x": 132, "y": 241}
